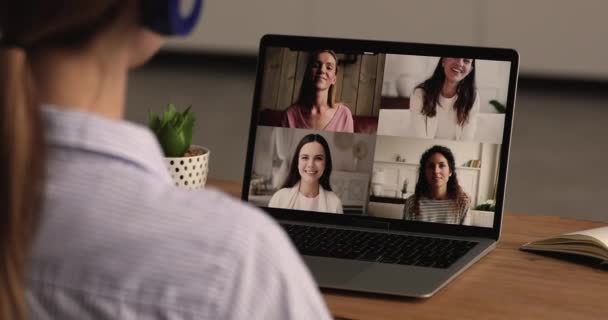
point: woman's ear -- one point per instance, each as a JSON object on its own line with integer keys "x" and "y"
{"x": 144, "y": 45}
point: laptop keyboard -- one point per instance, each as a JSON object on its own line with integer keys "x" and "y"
{"x": 378, "y": 247}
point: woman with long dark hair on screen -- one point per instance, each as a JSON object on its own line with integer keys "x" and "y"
{"x": 446, "y": 105}
{"x": 438, "y": 197}
{"x": 91, "y": 225}
{"x": 307, "y": 186}
{"x": 316, "y": 107}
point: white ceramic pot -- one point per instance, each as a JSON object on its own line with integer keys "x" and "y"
{"x": 189, "y": 172}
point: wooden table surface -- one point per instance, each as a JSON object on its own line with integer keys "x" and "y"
{"x": 506, "y": 284}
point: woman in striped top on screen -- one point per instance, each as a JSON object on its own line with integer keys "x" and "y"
{"x": 438, "y": 196}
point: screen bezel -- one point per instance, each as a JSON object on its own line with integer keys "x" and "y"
{"x": 362, "y": 46}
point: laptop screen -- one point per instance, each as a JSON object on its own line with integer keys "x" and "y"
{"x": 401, "y": 136}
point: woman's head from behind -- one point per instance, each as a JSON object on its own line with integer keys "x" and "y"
{"x": 75, "y": 26}
{"x": 47, "y": 34}
{"x": 311, "y": 162}
{"x": 320, "y": 75}
{"x": 451, "y": 71}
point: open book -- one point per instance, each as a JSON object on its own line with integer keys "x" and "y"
{"x": 591, "y": 243}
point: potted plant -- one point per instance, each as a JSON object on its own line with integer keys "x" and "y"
{"x": 187, "y": 163}
{"x": 488, "y": 205}
{"x": 483, "y": 214}
{"x": 500, "y": 108}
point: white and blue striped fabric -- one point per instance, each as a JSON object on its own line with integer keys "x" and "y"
{"x": 118, "y": 241}
{"x": 438, "y": 211}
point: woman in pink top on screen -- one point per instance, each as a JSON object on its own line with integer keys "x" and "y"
{"x": 316, "y": 107}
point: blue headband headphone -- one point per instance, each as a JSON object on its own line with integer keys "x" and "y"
{"x": 163, "y": 16}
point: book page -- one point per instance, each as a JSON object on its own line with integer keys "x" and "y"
{"x": 600, "y": 234}
{"x": 591, "y": 242}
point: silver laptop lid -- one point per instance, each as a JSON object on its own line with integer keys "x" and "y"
{"x": 387, "y": 135}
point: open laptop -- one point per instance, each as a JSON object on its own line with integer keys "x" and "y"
{"x": 386, "y": 219}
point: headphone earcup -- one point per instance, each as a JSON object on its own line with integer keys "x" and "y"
{"x": 163, "y": 16}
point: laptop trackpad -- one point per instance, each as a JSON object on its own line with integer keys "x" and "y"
{"x": 365, "y": 276}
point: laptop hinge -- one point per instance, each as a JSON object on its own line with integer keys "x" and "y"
{"x": 386, "y": 226}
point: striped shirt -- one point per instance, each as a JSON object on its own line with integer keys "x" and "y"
{"x": 118, "y": 241}
{"x": 438, "y": 211}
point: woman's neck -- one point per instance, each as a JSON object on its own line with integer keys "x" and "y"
{"x": 309, "y": 190}
{"x": 440, "y": 193}
{"x": 82, "y": 81}
{"x": 448, "y": 89}
{"x": 320, "y": 101}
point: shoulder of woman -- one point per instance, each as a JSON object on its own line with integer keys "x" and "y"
{"x": 331, "y": 194}
{"x": 327, "y": 194}
{"x": 409, "y": 201}
{"x": 286, "y": 190}
{"x": 418, "y": 92}
{"x": 279, "y": 193}
{"x": 211, "y": 211}
{"x": 416, "y": 99}
{"x": 293, "y": 108}
{"x": 188, "y": 211}
{"x": 409, "y": 205}
{"x": 281, "y": 197}
{"x": 333, "y": 198}
{"x": 476, "y": 101}
{"x": 343, "y": 107}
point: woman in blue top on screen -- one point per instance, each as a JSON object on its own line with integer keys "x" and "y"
{"x": 438, "y": 196}
{"x": 446, "y": 105}
{"x": 307, "y": 186}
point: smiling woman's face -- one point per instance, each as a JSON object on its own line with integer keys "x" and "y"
{"x": 311, "y": 162}
{"x": 437, "y": 171}
{"x": 324, "y": 70}
{"x": 456, "y": 69}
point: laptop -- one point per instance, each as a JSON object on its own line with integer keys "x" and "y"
{"x": 385, "y": 162}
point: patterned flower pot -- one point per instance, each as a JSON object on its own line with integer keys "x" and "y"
{"x": 190, "y": 171}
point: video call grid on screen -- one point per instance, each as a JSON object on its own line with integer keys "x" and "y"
{"x": 376, "y": 162}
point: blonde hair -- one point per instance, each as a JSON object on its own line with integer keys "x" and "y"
{"x": 30, "y": 25}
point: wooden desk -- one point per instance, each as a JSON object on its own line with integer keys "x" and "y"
{"x": 506, "y": 284}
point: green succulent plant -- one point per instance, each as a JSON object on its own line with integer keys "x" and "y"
{"x": 488, "y": 205}
{"x": 500, "y": 108}
{"x": 173, "y": 129}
